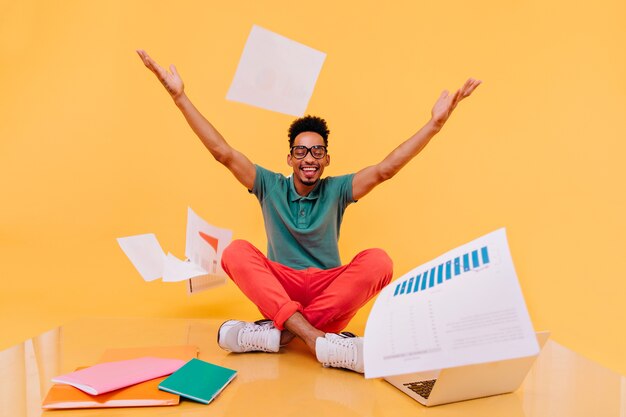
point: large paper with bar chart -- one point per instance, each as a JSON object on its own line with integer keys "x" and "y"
{"x": 464, "y": 307}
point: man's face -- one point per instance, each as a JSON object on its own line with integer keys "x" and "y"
{"x": 308, "y": 170}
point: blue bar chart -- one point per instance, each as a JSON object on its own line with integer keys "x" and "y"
{"x": 443, "y": 272}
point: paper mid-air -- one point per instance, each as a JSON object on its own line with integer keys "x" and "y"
{"x": 276, "y": 73}
{"x": 204, "y": 246}
{"x": 462, "y": 308}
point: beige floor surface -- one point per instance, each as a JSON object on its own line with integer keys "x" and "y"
{"x": 290, "y": 383}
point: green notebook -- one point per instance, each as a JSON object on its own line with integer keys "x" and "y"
{"x": 198, "y": 380}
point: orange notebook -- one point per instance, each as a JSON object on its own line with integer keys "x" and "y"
{"x": 144, "y": 394}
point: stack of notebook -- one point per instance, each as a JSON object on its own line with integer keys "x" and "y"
{"x": 139, "y": 377}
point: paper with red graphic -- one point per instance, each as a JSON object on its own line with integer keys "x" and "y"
{"x": 202, "y": 268}
{"x": 204, "y": 246}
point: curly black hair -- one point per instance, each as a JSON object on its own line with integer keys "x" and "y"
{"x": 308, "y": 124}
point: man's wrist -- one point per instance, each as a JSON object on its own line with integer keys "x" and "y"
{"x": 181, "y": 99}
{"x": 434, "y": 126}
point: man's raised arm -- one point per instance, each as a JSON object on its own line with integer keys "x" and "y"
{"x": 235, "y": 161}
{"x": 368, "y": 178}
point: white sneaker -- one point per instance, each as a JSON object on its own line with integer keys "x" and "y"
{"x": 343, "y": 350}
{"x": 240, "y": 336}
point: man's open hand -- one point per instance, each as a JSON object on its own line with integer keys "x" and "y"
{"x": 447, "y": 103}
{"x": 170, "y": 80}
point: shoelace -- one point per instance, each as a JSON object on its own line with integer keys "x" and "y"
{"x": 344, "y": 353}
{"x": 254, "y": 336}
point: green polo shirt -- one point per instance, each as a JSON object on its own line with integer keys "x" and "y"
{"x": 302, "y": 232}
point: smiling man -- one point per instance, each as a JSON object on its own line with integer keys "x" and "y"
{"x": 301, "y": 287}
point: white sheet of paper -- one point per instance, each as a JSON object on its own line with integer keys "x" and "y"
{"x": 204, "y": 246}
{"x": 276, "y": 73}
{"x": 462, "y": 308}
{"x": 177, "y": 270}
{"x": 145, "y": 253}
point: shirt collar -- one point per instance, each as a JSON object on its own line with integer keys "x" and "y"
{"x": 294, "y": 196}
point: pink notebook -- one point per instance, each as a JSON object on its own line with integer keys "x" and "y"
{"x": 109, "y": 376}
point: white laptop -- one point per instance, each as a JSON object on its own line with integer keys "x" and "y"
{"x": 466, "y": 382}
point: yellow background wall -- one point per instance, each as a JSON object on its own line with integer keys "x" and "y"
{"x": 92, "y": 148}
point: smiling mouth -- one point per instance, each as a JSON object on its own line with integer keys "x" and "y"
{"x": 309, "y": 171}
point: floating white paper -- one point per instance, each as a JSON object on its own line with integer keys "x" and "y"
{"x": 204, "y": 246}
{"x": 145, "y": 254}
{"x": 176, "y": 270}
{"x": 462, "y": 308}
{"x": 276, "y": 73}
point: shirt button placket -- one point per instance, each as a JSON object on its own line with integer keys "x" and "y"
{"x": 301, "y": 215}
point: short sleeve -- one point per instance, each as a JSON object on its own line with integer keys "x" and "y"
{"x": 343, "y": 185}
{"x": 345, "y": 189}
{"x": 264, "y": 181}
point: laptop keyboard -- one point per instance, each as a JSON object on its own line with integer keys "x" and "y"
{"x": 421, "y": 388}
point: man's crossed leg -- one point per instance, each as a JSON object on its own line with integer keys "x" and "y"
{"x": 312, "y": 304}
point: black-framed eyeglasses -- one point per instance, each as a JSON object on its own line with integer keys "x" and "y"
{"x": 300, "y": 152}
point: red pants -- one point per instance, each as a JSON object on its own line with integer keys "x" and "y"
{"x": 328, "y": 299}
